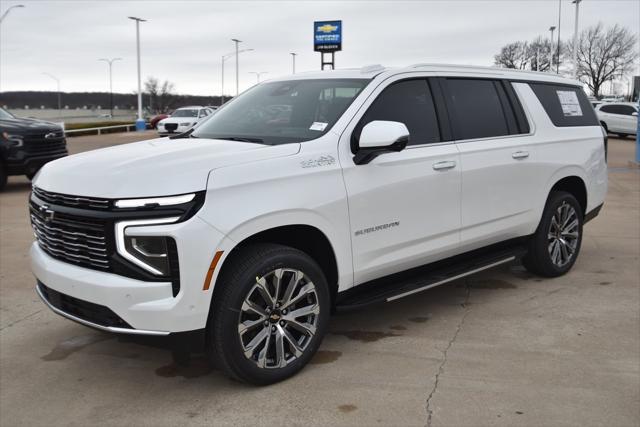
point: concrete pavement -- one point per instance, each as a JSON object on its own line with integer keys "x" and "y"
{"x": 503, "y": 348}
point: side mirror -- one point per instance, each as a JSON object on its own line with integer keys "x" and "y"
{"x": 379, "y": 137}
{"x": 635, "y": 113}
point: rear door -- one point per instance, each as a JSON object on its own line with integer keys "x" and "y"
{"x": 628, "y": 122}
{"x": 498, "y": 164}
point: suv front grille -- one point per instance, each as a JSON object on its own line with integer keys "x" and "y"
{"x": 70, "y": 238}
{"x": 71, "y": 201}
{"x": 38, "y": 144}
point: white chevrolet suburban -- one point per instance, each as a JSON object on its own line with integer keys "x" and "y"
{"x": 316, "y": 192}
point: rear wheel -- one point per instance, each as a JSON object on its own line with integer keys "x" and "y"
{"x": 269, "y": 314}
{"x": 554, "y": 247}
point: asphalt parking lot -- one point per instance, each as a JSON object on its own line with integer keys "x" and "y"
{"x": 502, "y": 348}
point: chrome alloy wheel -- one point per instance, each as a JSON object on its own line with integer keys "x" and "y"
{"x": 563, "y": 235}
{"x": 278, "y": 318}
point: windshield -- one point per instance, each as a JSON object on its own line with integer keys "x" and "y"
{"x": 6, "y": 115}
{"x": 185, "y": 113}
{"x": 283, "y": 112}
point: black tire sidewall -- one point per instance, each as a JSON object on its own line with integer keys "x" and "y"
{"x": 540, "y": 241}
{"x": 225, "y": 319}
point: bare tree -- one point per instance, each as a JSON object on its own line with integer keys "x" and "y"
{"x": 605, "y": 54}
{"x": 514, "y": 55}
{"x": 160, "y": 95}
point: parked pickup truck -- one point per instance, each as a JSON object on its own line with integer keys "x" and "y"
{"x": 27, "y": 144}
{"x": 318, "y": 192}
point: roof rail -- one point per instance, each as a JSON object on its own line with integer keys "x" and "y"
{"x": 372, "y": 68}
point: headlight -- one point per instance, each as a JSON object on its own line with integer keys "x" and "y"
{"x": 149, "y": 252}
{"x": 14, "y": 140}
{"x": 185, "y": 124}
{"x": 155, "y": 201}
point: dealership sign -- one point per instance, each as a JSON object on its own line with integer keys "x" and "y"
{"x": 327, "y": 36}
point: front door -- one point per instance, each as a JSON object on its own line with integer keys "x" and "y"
{"x": 404, "y": 207}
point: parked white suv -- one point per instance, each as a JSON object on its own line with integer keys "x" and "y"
{"x": 182, "y": 120}
{"x": 618, "y": 117}
{"x": 317, "y": 192}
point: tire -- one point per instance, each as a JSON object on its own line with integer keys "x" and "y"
{"x": 3, "y": 176}
{"x": 623, "y": 135}
{"x": 553, "y": 250}
{"x": 239, "y": 301}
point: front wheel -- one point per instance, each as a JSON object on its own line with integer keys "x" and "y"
{"x": 269, "y": 314}
{"x": 554, "y": 247}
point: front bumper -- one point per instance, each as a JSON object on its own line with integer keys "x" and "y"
{"x": 162, "y": 131}
{"x": 149, "y": 308}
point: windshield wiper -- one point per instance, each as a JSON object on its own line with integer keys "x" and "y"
{"x": 244, "y": 139}
{"x": 186, "y": 134}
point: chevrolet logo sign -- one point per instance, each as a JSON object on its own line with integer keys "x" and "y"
{"x": 327, "y": 28}
{"x": 47, "y": 214}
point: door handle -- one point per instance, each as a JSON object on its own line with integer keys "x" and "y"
{"x": 447, "y": 164}
{"x": 520, "y": 155}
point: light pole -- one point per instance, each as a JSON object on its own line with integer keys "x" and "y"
{"x": 551, "y": 29}
{"x": 59, "y": 94}
{"x": 575, "y": 40}
{"x": 293, "y": 61}
{"x": 4, "y": 15}
{"x": 258, "y": 74}
{"x": 110, "y": 62}
{"x": 558, "y": 45}
{"x": 224, "y": 58}
{"x": 140, "y": 124}
{"x": 237, "y": 42}
{"x": 6, "y": 12}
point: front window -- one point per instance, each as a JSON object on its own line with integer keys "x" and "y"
{"x": 185, "y": 113}
{"x": 283, "y": 112}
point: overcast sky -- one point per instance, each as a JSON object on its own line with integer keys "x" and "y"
{"x": 184, "y": 40}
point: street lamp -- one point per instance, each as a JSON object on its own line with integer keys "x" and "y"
{"x": 224, "y": 58}
{"x": 551, "y": 29}
{"x": 110, "y": 62}
{"x": 575, "y": 40}
{"x": 59, "y": 94}
{"x": 140, "y": 125}
{"x": 6, "y": 12}
{"x": 293, "y": 60}
{"x": 258, "y": 74}
{"x": 237, "y": 42}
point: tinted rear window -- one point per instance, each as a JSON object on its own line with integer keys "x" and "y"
{"x": 478, "y": 109}
{"x": 566, "y": 105}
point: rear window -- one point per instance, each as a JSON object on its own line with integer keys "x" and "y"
{"x": 482, "y": 108}
{"x": 566, "y": 105}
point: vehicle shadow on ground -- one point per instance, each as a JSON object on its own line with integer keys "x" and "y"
{"x": 188, "y": 358}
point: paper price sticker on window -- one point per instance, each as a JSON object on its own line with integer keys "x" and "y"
{"x": 319, "y": 126}
{"x": 569, "y": 102}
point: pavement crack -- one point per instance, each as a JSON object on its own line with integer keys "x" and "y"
{"x": 20, "y": 320}
{"x": 445, "y": 352}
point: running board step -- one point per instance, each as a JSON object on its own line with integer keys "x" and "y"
{"x": 422, "y": 278}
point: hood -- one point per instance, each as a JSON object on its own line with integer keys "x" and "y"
{"x": 179, "y": 120}
{"x": 20, "y": 126}
{"x": 158, "y": 167}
